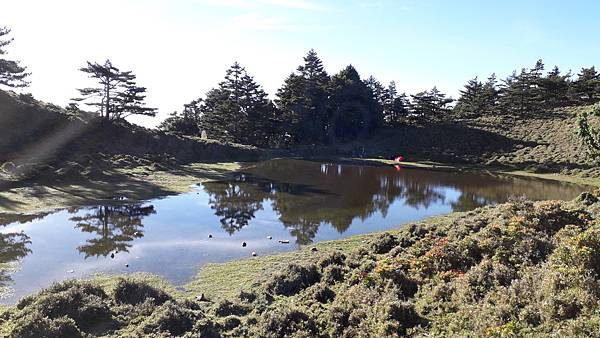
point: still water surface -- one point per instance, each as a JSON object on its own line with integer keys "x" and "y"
{"x": 300, "y": 201}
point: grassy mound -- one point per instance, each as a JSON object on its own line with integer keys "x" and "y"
{"x": 517, "y": 269}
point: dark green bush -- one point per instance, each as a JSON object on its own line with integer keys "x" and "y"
{"x": 86, "y": 304}
{"x": 293, "y": 279}
{"x": 226, "y": 308}
{"x": 36, "y": 325}
{"x": 335, "y": 257}
{"x": 129, "y": 291}
{"x": 170, "y": 317}
{"x": 383, "y": 243}
{"x": 286, "y": 321}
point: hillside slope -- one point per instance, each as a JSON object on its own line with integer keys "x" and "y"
{"x": 39, "y": 138}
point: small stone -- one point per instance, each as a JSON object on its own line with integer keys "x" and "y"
{"x": 112, "y": 255}
{"x": 244, "y": 244}
{"x": 253, "y": 254}
{"x": 126, "y": 265}
{"x": 313, "y": 249}
{"x": 201, "y": 298}
{"x": 270, "y": 237}
{"x": 210, "y": 236}
{"x": 284, "y": 241}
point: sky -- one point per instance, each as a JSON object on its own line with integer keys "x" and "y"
{"x": 180, "y": 49}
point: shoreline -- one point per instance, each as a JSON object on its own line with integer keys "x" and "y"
{"x": 145, "y": 182}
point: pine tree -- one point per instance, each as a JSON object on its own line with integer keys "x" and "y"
{"x": 238, "y": 110}
{"x": 430, "y": 104}
{"x": 586, "y": 89}
{"x": 11, "y": 73}
{"x": 186, "y": 122}
{"x": 354, "y": 110}
{"x": 395, "y": 107}
{"x": 523, "y": 93}
{"x": 117, "y": 95}
{"x": 472, "y": 98}
{"x": 555, "y": 89}
{"x": 303, "y": 101}
{"x": 379, "y": 91}
{"x": 490, "y": 94}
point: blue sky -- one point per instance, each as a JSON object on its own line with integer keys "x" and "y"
{"x": 180, "y": 48}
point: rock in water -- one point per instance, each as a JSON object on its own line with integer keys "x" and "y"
{"x": 284, "y": 241}
{"x": 112, "y": 255}
{"x": 270, "y": 237}
{"x": 126, "y": 265}
{"x": 210, "y": 236}
{"x": 244, "y": 244}
{"x": 253, "y": 254}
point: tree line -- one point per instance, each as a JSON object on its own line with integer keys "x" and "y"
{"x": 314, "y": 107}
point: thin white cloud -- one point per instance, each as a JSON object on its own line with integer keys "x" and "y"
{"x": 296, "y": 4}
{"x": 254, "y": 4}
{"x": 258, "y": 21}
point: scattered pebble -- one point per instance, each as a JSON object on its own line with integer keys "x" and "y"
{"x": 112, "y": 255}
{"x": 210, "y": 236}
{"x": 201, "y": 298}
{"x": 284, "y": 241}
{"x": 126, "y": 265}
{"x": 313, "y": 249}
{"x": 270, "y": 237}
{"x": 253, "y": 254}
{"x": 244, "y": 244}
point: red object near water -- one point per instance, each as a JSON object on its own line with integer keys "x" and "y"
{"x": 398, "y": 167}
{"x": 399, "y": 158}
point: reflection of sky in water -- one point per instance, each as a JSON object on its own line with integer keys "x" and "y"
{"x": 171, "y": 239}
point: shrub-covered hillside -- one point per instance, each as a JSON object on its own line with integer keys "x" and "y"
{"x": 517, "y": 269}
{"x": 44, "y": 140}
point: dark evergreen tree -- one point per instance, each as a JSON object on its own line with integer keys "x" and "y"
{"x": 430, "y": 104}
{"x": 117, "y": 94}
{"x": 11, "y": 73}
{"x": 490, "y": 94}
{"x": 380, "y": 93}
{"x": 395, "y": 107}
{"x": 555, "y": 89}
{"x": 471, "y": 100}
{"x": 354, "y": 111}
{"x": 239, "y": 110}
{"x": 186, "y": 122}
{"x": 477, "y": 98}
{"x": 523, "y": 93}
{"x": 303, "y": 100}
{"x": 586, "y": 89}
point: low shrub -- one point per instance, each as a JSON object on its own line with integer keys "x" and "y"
{"x": 293, "y": 279}
{"x": 129, "y": 291}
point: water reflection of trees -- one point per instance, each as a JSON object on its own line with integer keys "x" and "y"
{"x": 307, "y": 194}
{"x": 13, "y": 247}
{"x": 114, "y": 226}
